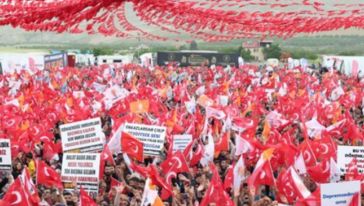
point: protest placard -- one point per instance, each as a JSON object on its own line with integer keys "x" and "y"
{"x": 339, "y": 194}
{"x": 82, "y": 136}
{"x": 345, "y": 154}
{"x": 81, "y": 170}
{"x": 152, "y": 137}
{"x": 180, "y": 142}
{"x": 5, "y": 155}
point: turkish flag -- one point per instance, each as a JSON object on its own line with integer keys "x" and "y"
{"x": 154, "y": 175}
{"x": 86, "y": 200}
{"x": 308, "y": 154}
{"x": 229, "y": 178}
{"x": 223, "y": 143}
{"x": 197, "y": 155}
{"x": 216, "y": 193}
{"x": 355, "y": 200}
{"x": 176, "y": 163}
{"x": 115, "y": 183}
{"x": 29, "y": 187}
{"x": 48, "y": 176}
{"x": 298, "y": 185}
{"x": 143, "y": 171}
{"x": 49, "y": 150}
{"x": 320, "y": 173}
{"x": 262, "y": 174}
{"x": 132, "y": 146}
{"x": 16, "y": 195}
{"x": 106, "y": 155}
{"x": 324, "y": 148}
{"x": 285, "y": 190}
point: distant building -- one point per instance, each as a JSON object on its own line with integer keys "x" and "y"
{"x": 256, "y": 48}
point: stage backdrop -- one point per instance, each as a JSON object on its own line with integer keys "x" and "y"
{"x": 197, "y": 58}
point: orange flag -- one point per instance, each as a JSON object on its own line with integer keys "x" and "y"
{"x": 139, "y": 106}
{"x": 204, "y": 101}
{"x": 266, "y": 131}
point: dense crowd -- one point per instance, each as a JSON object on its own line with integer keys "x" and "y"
{"x": 264, "y": 120}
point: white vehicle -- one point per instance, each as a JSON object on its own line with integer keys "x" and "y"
{"x": 147, "y": 60}
{"x": 114, "y": 59}
{"x": 272, "y": 62}
{"x": 349, "y": 65}
{"x": 85, "y": 59}
{"x": 16, "y": 62}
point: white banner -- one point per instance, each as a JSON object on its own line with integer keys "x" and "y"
{"x": 5, "y": 155}
{"x": 15, "y": 63}
{"x": 339, "y": 194}
{"x": 345, "y": 154}
{"x": 152, "y": 137}
{"x": 81, "y": 170}
{"x": 83, "y": 136}
{"x": 180, "y": 142}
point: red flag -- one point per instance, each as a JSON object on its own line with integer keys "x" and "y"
{"x": 308, "y": 154}
{"x": 115, "y": 183}
{"x": 4, "y": 203}
{"x": 49, "y": 151}
{"x": 86, "y": 200}
{"x": 355, "y": 200}
{"x": 223, "y": 143}
{"x": 325, "y": 148}
{"x": 229, "y": 178}
{"x": 300, "y": 189}
{"x": 320, "y": 173}
{"x": 216, "y": 193}
{"x": 176, "y": 163}
{"x": 285, "y": 189}
{"x": 262, "y": 174}
{"x": 187, "y": 150}
{"x": 139, "y": 169}
{"x": 48, "y": 176}
{"x": 313, "y": 200}
{"x": 132, "y": 146}
{"x": 353, "y": 131}
{"x": 352, "y": 172}
{"x": 167, "y": 190}
{"x": 197, "y": 155}
{"x": 29, "y": 187}
{"x": 16, "y": 195}
{"x": 106, "y": 155}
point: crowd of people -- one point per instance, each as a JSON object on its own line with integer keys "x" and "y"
{"x": 254, "y": 130}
